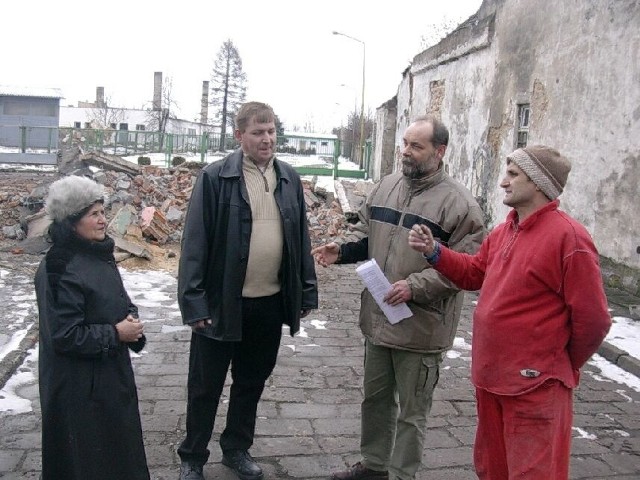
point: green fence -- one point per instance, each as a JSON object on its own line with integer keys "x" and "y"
{"x": 309, "y": 155}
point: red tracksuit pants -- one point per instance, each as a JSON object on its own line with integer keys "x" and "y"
{"x": 524, "y": 437}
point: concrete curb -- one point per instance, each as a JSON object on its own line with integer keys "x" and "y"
{"x": 14, "y": 359}
{"x": 620, "y": 358}
{"x": 620, "y": 304}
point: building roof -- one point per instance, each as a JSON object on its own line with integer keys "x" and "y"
{"x": 39, "y": 92}
{"x": 311, "y": 135}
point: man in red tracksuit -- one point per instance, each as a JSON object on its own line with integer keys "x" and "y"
{"x": 541, "y": 314}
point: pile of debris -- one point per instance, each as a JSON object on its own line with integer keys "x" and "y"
{"x": 145, "y": 205}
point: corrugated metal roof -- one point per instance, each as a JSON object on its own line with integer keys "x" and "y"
{"x": 41, "y": 92}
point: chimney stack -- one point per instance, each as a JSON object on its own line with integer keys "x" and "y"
{"x": 204, "y": 102}
{"x": 100, "y": 97}
{"x": 157, "y": 91}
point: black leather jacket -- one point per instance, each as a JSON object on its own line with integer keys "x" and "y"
{"x": 215, "y": 249}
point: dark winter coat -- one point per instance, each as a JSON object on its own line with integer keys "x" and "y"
{"x": 215, "y": 249}
{"x": 90, "y": 419}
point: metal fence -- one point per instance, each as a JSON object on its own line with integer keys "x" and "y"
{"x": 30, "y": 145}
{"x": 308, "y": 155}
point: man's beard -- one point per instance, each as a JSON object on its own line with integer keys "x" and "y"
{"x": 413, "y": 170}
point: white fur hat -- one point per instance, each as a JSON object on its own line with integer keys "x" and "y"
{"x": 71, "y": 195}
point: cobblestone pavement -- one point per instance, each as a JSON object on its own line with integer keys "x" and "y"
{"x": 308, "y": 421}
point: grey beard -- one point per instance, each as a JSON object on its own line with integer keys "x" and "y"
{"x": 413, "y": 171}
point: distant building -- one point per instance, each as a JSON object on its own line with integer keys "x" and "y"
{"x": 125, "y": 119}
{"x": 29, "y": 124}
{"x": 99, "y": 115}
{"x": 321, "y": 144}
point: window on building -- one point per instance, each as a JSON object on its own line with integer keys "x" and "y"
{"x": 77, "y": 125}
{"x": 524, "y": 112}
{"x": 43, "y": 109}
{"x": 140, "y": 127}
{"x": 192, "y": 131}
{"x": 16, "y": 108}
{"x": 124, "y": 126}
{"x": 324, "y": 144}
{"x": 87, "y": 124}
{"x": 112, "y": 126}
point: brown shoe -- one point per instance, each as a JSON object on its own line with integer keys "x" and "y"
{"x": 360, "y": 472}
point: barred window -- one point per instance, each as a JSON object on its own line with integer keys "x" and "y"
{"x": 524, "y": 112}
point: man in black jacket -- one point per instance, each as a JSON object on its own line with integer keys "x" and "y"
{"x": 245, "y": 269}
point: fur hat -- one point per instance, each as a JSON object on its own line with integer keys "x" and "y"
{"x": 544, "y": 166}
{"x": 70, "y": 195}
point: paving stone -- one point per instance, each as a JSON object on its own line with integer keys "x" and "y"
{"x": 306, "y": 410}
{"x": 278, "y": 447}
{"x": 464, "y": 435}
{"x": 9, "y": 459}
{"x": 589, "y": 467}
{"x": 447, "y": 457}
{"x": 341, "y": 396}
{"x": 311, "y": 466}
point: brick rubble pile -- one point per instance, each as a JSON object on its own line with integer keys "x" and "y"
{"x": 148, "y": 206}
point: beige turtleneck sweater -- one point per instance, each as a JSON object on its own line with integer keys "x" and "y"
{"x": 265, "y": 248}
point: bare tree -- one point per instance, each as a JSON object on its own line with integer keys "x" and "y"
{"x": 279, "y": 131}
{"x": 159, "y": 115}
{"x": 350, "y": 134}
{"x": 103, "y": 117}
{"x": 309, "y": 124}
{"x": 228, "y": 89}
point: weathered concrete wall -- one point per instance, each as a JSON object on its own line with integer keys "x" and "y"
{"x": 576, "y": 63}
{"x": 383, "y": 158}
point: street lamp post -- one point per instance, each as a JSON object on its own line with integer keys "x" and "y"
{"x": 364, "y": 56}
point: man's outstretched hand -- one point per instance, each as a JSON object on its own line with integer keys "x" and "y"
{"x": 327, "y": 254}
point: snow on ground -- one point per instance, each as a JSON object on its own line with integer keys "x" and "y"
{"x": 611, "y": 372}
{"x": 19, "y": 301}
{"x": 10, "y": 400}
{"x": 625, "y": 334}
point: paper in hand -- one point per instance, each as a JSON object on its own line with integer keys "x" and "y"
{"x": 378, "y": 285}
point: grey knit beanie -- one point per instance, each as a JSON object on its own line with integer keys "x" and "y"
{"x": 70, "y": 195}
{"x": 544, "y": 166}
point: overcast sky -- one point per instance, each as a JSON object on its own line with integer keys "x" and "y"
{"x": 289, "y": 54}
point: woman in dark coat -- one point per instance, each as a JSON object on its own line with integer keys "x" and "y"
{"x": 90, "y": 420}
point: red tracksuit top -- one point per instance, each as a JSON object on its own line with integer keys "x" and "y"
{"x": 542, "y": 311}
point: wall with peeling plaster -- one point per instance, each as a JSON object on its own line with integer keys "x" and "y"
{"x": 576, "y": 63}
{"x": 383, "y": 155}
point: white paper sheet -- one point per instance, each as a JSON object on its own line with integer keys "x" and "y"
{"x": 378, "y": 285}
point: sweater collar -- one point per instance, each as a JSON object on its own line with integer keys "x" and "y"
{"x": 418, "y": 184}
{"x": 531, "y": 219}
{"x": 247, "y": 162}
{"x": 233, "y": 166}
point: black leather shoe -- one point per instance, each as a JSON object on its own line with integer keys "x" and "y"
{"x": 360, "y": 472}
{"x": 242, "y": 464}
{"x": 191, "y": 471}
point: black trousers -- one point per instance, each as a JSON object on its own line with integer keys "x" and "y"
{"x": 252, "y": 360}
